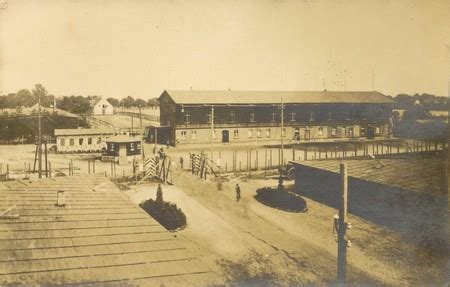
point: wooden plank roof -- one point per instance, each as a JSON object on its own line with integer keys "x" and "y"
{"x": 274, "y": 97}
{"x": 425, "y": 175}
{"x": 99, "y": 237}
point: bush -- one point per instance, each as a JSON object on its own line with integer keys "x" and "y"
{"x": 281, "y": 199}
{"x": 166, "y": 213}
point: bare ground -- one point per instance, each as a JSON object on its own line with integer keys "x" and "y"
{"x": 250, "y": 243}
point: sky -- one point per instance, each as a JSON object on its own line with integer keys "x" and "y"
{"x": 140, "y": 48}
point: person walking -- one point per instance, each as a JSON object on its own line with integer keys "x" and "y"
{"x": 181, "y": 162}
{"x": 238, "y": 193}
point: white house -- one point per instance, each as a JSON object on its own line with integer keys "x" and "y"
{"x": 101, "y": 106}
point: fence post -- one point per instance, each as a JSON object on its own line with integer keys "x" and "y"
{"x": 305, "y": 158}
{"x": 7, "y": 171}
{"x": 257, "y": 160}
{"x": 50, "y": 168}
{"x": 89, "y": 166}
{"x": 93, "y": 165}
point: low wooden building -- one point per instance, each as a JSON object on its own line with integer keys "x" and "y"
{"x": 122, "y": 149}
{"x": 81, "y": 140}
{"x": 251, "y": 116}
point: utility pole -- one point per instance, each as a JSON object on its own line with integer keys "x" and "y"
{"x": 39, "y": 136}
{"x": 212, "y": 132}
{"x": 342, "y": 228}
{"x": 282, "y": 128}
{"x": 141, "y": 133}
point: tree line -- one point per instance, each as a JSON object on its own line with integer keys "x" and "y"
{"x": 74, "y": 104}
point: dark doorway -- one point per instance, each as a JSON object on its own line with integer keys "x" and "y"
{"x": 370, "y": 132}
{"x": 225, "y": 136}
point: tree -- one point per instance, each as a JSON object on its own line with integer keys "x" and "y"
{"x": 127, "y": 102}
{"x": 140, "y": 102}
{"x": 113, "y": 102}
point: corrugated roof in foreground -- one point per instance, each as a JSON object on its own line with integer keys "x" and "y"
{"x": 420, "y": 174}
{"x": 99, "y": 237}
{"x": 274, "y": 97}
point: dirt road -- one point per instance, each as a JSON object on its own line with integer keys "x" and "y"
{"x": 250, "y": 241}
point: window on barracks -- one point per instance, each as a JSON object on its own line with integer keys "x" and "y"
{"x": 258, "y": 133}
{"x": 99, "y": 140}
{"x": 214, "y": 135}
{"x": 183, "y": 135}
{"x": 329, "y": 116}
{"x": 138, "y": 146}
{"x": 252, "y": 117}
{"x": 236, "y": 134}
{"x": 292, "y": 117}
{"x": 333, "y": 131}
{"x": 194, "y": 135}
{"x": 187, "y": 118}
{"x": 71, "y": 142}
{"x": 209, "y": 118}
{"x": 377, "y": 129}
{"x": 250, "y": 133}
{"x": 80, "y": 141}
{"x": 320, "y": 131}
{"x": 362, "y": 131}
{"x": 311, "y": 117}
{"x": 131, "y": 146}
{"x": 232, "y": 117}
{"x": 267, "y": 133}
{"x": 111, "y": 147}
{"x": 62, "y": 142}
{"x": 283, "y": 132}
{"x": 89, "y": 140}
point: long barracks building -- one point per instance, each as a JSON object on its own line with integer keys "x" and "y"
{"x": 244, "y": 116}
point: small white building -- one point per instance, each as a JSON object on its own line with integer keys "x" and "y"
{"x": 101, "y": 106}
{"x": 81, "y": 140}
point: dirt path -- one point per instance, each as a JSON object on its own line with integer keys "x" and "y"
{"x": 293, "y": 247}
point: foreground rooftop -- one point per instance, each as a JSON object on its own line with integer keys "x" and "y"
{"x": 98, "y": 237}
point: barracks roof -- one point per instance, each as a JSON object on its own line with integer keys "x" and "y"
{"x": 273, "y": 97}
{"x": 79, "y": 132}
{"x": 99, "y": 237}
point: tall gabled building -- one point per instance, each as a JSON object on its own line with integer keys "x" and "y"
{"x": 244, "y": 116}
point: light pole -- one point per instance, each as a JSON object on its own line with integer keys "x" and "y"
{"x": 39, "y": 136}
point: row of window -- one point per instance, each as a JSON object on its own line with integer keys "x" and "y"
{"x": 259, "y": 133}
{"x": 132, "y": 146}
{"x": 232, "y": 117}
{"x": 62, "y": 141}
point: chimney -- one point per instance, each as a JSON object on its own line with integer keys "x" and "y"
{"x": 61, "y": 199}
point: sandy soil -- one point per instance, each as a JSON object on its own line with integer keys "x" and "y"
{"x": 297, "y": 248}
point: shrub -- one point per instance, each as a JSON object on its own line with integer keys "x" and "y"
{"x": 166, "y": 213}
{"x": 281, "y": 199}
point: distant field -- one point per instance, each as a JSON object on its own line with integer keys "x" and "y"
{"x": 120, "y": 121}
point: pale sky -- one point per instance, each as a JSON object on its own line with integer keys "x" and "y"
{"x": 140, "y": 48}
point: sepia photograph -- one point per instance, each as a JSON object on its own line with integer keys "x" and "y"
{"x": 224, "y": 143}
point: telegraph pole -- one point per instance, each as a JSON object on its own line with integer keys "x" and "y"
{"x": 212, "y": 132}
{"x": 141, "y": 133}
{"x": 342, "y": 228}
{"x": 39, "y": 137}
{"x": 282, "y": 128}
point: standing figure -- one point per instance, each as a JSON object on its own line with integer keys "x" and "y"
{"x": 181, "y": 162}
{"x": 238, "y": 193}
